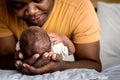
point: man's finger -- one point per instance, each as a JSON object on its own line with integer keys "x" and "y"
{"x": 18, "y": 64}
{"x": 18, "y": 55}
{"x": 29, "y": 69}
{"x": 32, "y": 59}
{"x": 40, "y": 70}
{"x": 25, "y": 70}
{"x": 45, "y": 59}
{"x": 57, "y": 57}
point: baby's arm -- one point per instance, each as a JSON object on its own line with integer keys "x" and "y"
{"x": 57, "y": 38}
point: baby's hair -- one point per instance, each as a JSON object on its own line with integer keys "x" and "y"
{"x": 31, "y": 37}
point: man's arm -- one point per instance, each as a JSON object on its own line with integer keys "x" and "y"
{"x": 87, "y": 55}
{"x": 7, "y": 50}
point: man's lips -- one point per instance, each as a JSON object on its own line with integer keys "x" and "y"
{"x": 37, "y": 19}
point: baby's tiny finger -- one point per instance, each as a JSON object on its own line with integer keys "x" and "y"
{"x": 57, "y": 57}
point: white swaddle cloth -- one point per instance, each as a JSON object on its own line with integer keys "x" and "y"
{"x": 60, "y": 48}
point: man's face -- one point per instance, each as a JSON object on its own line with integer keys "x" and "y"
{"x": 34, "y": 12}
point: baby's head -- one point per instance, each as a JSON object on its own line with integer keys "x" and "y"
{"x": 34, "y": 40}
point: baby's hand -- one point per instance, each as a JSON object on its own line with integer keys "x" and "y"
{"x": 54, "y": 56}
{"x": 56, "y": 38}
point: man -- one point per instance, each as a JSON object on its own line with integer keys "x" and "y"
{"x": 74, "y": 18}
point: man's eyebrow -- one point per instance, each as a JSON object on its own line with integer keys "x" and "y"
{"x": 17, "y": 2}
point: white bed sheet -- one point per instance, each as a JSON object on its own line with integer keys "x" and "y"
{"x": 112, "y": 73}
{"x": 71, "y": 74}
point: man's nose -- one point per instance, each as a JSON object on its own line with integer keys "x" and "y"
{"x": 31, "y": 9}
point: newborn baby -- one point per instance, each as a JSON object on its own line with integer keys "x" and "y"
{"x": 35, "y": 40}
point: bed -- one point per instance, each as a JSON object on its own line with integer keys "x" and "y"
{"x": 108, "y": 14}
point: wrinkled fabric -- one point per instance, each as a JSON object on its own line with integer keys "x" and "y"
{"x": 70, "y": 74}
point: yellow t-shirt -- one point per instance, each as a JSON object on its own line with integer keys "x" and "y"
{"x": 10, "y": 24}
{"x": 74, "y": 18}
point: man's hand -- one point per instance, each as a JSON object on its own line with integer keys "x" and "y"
{"x": 34, "y": 64}
{"x": 19, "y": 59}
{"x": 52, "y": 66}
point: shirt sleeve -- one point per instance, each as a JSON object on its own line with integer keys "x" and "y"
{"x": 4, "y": 30}
{"x": 86, "y": 23}
{"x": 4, "y": 24}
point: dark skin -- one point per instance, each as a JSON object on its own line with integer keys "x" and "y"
{"x": 7, "y": 51}
{"x": 83, "y": 60}
{"x": 86, "y": 55}
{"x": 94, "y": 59}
